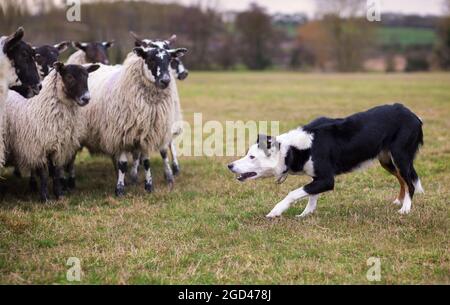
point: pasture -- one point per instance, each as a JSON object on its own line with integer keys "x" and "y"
{"x": 211, "y": 229}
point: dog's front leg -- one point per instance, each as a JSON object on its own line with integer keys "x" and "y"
{"x": 286, "y": 202}
{"x": 311, "y": 207}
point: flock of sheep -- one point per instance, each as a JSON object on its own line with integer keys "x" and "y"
{"x": 50, "y": 110}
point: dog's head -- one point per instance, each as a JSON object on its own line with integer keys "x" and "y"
{"x": 261, "y": 161}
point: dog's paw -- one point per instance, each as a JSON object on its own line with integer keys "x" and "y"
{"x": 397, "y": 202}
{"x": 404, "y": 211}
{"x": 273, "y": 214}
{"x": 304, "y": 214}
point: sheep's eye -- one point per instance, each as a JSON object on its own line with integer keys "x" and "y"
{"x": 252, "y": 157}
{"x": 70, "y": 78}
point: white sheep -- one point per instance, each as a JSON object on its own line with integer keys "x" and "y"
{"x": 178, "y": 71}
{"x": 44, "y": 130}
{"x": 17, "y": 67}
{"x": 132, "y": 109}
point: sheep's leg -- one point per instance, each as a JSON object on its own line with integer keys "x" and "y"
{"x": 57, "y": 185}
{"x": 135, "y": 167}
{"x": 17, "y": 173}
{"x": 175, "y": 164}
{"x": 33, "y": 182}
{"x": 43, "y": 176}
{"x": 69, "y": 183}
{"x": 168, "y": 174}
{"x": 122, "y": 166}
{"x": 148, "y": 173}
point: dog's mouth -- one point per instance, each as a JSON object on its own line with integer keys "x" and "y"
{"x": 245, "y": 176}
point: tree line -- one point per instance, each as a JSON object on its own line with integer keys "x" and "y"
{"x": 338, "y": 39}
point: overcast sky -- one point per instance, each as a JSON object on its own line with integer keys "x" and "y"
{"x": 422, "y": 7}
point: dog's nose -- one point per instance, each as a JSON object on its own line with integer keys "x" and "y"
{"x": 230, "y": 166}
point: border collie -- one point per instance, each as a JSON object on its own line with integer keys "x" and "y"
{"x": 329, "y": 147}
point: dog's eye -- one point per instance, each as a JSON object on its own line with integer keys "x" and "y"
{"x": 252, "y": 157}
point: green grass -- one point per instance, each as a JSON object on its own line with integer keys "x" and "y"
{"x": 212, "y": 229}
{"x": 405, "y": 36}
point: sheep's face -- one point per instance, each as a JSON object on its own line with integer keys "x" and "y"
{"x": 48, "y": 55}
{"x": 75, "y": 81}
{"x": 157, "y": 63}
{"x": 176, "y": 64}
{"x": 96, "y": 52}
{"x": 22, "y": 58}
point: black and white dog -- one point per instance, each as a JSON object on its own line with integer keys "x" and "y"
{"x": 328, "y": 147}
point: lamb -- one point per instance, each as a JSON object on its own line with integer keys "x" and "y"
{"x": 44, "y": 131}
{"x": 17, "y": 67}
{"x": 132, "y": 111}
{"x": 93, "y": 52}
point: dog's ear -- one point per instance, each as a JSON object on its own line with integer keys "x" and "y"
{"x": 267, "y": 143}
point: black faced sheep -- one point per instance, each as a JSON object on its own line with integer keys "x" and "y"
{"x": 44, "y": 130}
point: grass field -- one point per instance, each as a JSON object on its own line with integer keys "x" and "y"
{"x": 212, "y": 229}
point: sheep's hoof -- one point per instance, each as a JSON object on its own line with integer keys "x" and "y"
{"x": 44, "y": 197}
{"x": 175, "y": 169}
{"x": 148, "y": 187}
{"x": 70, "y": 183}
{"x": 120, "y": 190}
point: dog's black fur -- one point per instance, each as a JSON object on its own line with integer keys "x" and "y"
{"x": 340, "y": 145}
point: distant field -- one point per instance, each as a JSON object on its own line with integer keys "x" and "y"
{"x": 212, "y": 229}
{"x": 405, "y": 36}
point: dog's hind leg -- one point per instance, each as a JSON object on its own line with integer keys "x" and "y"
{"x": 403, "y": 164}
{"x": 416, "y": 180}
{"x": 386, "y": 162}
{"x": 311, "y": 207}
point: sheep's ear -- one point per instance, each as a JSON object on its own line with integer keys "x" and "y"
{"x": 177, "y": 53}
{"x": 137, "y": 40}
{"x": 59, "y": 66}
{"x": 140, "y": 52}
{"x": 108, "y": 44}
{"x": 80, "y": 45}
{"x": 171, "y": 39}
{"x": 13, "y": 39}
{"x": 92, "y": 68}
{"x": 62, "y": 46}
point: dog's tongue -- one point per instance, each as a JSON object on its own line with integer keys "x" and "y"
{"x": 245, "y": 176}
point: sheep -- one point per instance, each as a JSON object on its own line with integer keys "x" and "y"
{"x": 93, "y": 52}
{"x": 178, "y": 70}
{"x": 132, "y": 110}
{"x": 43, "y": 131}
{"x": 17, "y": 67}
{"x": 47, "y": 55}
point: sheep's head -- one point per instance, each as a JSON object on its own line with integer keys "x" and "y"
{"x": 96, "y": 52}
{"x": 48, "y": 55}
{"x": 75, "y": 81}
{"x": 22, "y": 58}
{"x": 157, "y": 63}
{"x": 176, "y": 64}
